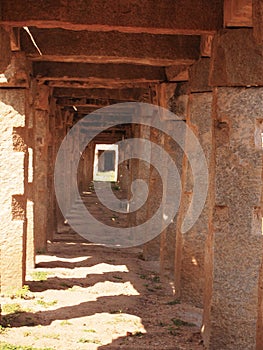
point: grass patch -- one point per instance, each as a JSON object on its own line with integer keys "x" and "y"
{"x": 47, "y": 304}
{"x": 156, "y": 279}
{"x": 89, "y": 330}
{"x": 12, "y": 308}
{"x": 7, "y": 346}
{"x": 115, "y": 312}
{"x": 21, "y": 293}
{"x": 173, "y": 331}
{"x": 40, "y": 276}
{"x": 3, "y": 329}
{"x": 27, "y": 333}
{"x": 64, "y": 284}
{"x": 138, "y": 334}
{"x": 65, "y": 323}
{"x": 51, "y": 336}
{"x": 93, "y": 341}
{"x": 117, "y": 277}
{"x": 74, "y": 289}
{"x": 174, "y": 302}
{"x": 179, "y": 323}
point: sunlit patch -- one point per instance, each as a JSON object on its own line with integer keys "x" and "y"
{"x": 108, "y": 288}
{"x": 112, "y": 325}
{"x": 45, "y": 258}
{"x": 173, "y": 287}
{"x": 105, "y": 268}
{"x": 194, "y": 261}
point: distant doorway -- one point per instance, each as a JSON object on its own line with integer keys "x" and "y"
{"x": 105, "y": 163}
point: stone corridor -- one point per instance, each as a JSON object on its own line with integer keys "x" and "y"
{"x": 185, "y": 78}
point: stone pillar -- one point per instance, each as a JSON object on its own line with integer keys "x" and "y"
{"x": 51, "y": 155}
{"x": 30, "y": 241}
{"x": 41, "y": 140}
{"x": 143, "y": 171}
{"x": 170, "y": 97}
{"x": 13, "y": 154}
{"x": 190, "y": 248}
{"x": 151, "y": 249}
{"x": 60, "y": 133}
{"x": 233, "y": 294}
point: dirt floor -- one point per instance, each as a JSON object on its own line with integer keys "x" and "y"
{"x": 87, "y": 296}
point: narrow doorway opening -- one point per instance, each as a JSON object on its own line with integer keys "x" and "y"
{"x": 105, "y": 163}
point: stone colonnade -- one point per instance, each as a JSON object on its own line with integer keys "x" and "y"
{"x": 217, "y": 264}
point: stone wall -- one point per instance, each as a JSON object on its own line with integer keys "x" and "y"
{"x": 13, "y": 160}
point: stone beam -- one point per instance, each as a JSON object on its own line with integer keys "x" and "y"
{"x": 177, "y": 73}
{"x": 258, "y": 20}
{"x": 97, "y": 85}
{"x": 154, "y": 17}
{"x": 120, "y": 111}
{"x": 103, "y": 73}
{"x": 86, "y": 102}
{"x": 238, "y": 13}
{"x": 117, "y": 94}
{"x": 111, "y": 47}
{"x": 236, "y": 59}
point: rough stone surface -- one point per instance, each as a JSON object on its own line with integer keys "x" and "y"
{"x": 199, "y": 76}
{"x": 41, "y": 139}
{"x": 151, "y": 250}
{"x": 236, "y": 59}
{"x": 97, "y": 72}
{"x": 232, "y": 308}
{"x": 83, "y": 46}
{"x": 12, "y": 194}
{"x": 127, "y": 16}
{"x": 190, "y": 250}
{"x": 5, "y": 49}
{"x": 257, "y": 16}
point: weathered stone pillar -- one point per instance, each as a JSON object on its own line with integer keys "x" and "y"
{"x": 151, "y": 249}
{"x": 167, "y": 99}
{"x": 14, "y": 125}
{"x": 233, "y": 293}
{"x": 190, "y": 247}
{"x": 143, "y": 170}
{"x": 30, "y": 241}
{"x": 60, "y": 133}
{"x": 51, "y": 155}
{"x": 41, "y": 140}
{"x": 13, "y": 154}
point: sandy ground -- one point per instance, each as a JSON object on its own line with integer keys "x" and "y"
{"x": 99, "y": 298}
{"x": 94, "y": 297}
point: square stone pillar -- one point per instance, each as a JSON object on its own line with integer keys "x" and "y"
{"x": 13, "y": 155}
{"x": 151, "y": 249}
{"x": 233, "y": 292}
{"x": 173, "y": 98}
{"x": 234, "y": 251}
{"x": 40, "y": 182}
{"x": 190, "y": 245}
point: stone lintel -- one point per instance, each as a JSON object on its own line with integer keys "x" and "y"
{"x": 107, "y": 73}
{"x": 128, "y": 16}
{"x": 111, "y": 47}
{"x": 128, "y": 94}
{"x": 236, "y": 60}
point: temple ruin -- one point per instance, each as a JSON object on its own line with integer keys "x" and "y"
{"x": 202, "y": 60}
